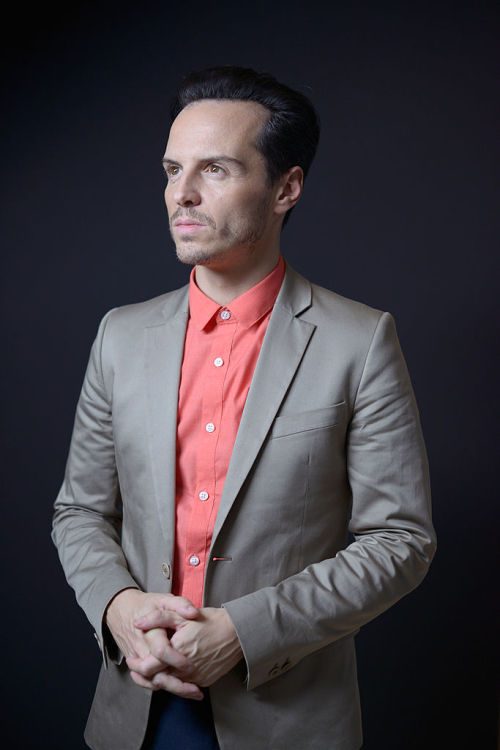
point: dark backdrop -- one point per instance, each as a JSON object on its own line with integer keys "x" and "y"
{"x": 398, "y": 212}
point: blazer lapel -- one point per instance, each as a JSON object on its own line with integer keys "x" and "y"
{"x": 163, "y": 359}
{"x": 284, "y": 344}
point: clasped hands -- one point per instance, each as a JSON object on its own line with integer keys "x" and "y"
{"x": 169, "y": 644}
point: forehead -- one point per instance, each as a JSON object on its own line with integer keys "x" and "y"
{"x": 216, "y": 124}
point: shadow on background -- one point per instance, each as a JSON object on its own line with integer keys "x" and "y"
{"x": 398, "y": 212}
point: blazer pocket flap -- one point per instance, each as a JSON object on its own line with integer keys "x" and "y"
{"x": 289, "y": 424}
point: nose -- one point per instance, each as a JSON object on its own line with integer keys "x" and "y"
{"x": 186, "y": 192}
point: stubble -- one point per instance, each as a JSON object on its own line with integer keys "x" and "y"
{"x": 242, "y": 236}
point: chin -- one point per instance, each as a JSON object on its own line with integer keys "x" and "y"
{"x": 194, "y": 255}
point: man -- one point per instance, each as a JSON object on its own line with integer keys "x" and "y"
{"x": 228, "y": 437}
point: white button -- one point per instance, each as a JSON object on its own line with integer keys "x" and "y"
{"x": 218, "y": 361}
{"x": 203, "y": 495}
{"x": 194, "y": 560}
{"x": 225, "y": 315}
{"x": 210, "y": 427}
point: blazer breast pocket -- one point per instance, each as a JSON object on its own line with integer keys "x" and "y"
{"x": 305, "y": 421}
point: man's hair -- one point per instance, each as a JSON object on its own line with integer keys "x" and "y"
{"x": 291, "y": 134}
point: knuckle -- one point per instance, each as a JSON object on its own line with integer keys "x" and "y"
{"x": 159, "y": 652}
{"x": 158, "y": 682}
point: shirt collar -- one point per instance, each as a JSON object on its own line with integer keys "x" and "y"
{"x": 247, "y": 309}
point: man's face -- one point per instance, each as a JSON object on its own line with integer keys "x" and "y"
{"x": 218, "y": 196}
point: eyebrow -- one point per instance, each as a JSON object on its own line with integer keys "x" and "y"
{"x": 209, "y": 159}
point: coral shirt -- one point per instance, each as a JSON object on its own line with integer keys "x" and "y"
{"x": 221, "y": 349}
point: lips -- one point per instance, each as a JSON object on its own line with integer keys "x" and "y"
{"x": 188, "y": 223}
{"x": 186, "y": 227}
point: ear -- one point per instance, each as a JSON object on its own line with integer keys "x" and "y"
{"x": 289, "y": 190}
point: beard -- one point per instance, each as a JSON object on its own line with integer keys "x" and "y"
{"x": 240, "y": 235}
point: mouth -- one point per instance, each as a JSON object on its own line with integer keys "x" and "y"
{"x": 188, "y": 225}
{"x": 189, "y": 228}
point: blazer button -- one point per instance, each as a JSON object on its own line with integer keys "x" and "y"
{"x": 165, "y": 569}
{"x": 274, "y": 671}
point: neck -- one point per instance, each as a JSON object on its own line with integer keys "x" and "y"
{"x": 226, "y": 282}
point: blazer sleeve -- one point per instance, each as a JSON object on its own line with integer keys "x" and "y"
{"x": 87, "y": 518}
{"x": 394, "y": 540}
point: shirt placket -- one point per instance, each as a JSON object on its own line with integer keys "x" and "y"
{"x": 199, "y": 534}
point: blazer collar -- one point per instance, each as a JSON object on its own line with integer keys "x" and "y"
{"x": 294, "y": 297}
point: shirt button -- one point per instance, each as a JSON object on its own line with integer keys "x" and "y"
{"x": 218, "y": 361}
{"x": 203, "y": 495}
{"x": 194, "y": 560}
{"x": 225, "y": 315}
{"x": 210, "y": 427}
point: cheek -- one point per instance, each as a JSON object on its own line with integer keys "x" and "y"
{"x": 236, "y": 223}
{"x": 248, "y": 207}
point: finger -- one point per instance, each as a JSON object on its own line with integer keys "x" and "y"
{"x": 161, "y": 648}
{"x": 159, "y": 618}
{"x": 171, "y": 603}
{"x": 142, "y": 641}
{"x": 155, "y": 637}
{"x": 143, "y": 682}
{"x": 173, "y": 684}
{"x": 153, "y": 663}
{"x": 180, "y": 604}
{"x": 147, "y": 666}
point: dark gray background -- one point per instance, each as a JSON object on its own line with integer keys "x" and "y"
{"x": 399, "y": 211}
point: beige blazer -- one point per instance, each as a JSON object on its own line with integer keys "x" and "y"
{"x": 329, "y": 443}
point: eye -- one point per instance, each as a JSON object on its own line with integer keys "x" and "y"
{"x": 172, "y": 170}
{"x": 215, "y": 169}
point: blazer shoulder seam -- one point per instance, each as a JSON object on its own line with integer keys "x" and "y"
{"x": 382, "y": 316}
